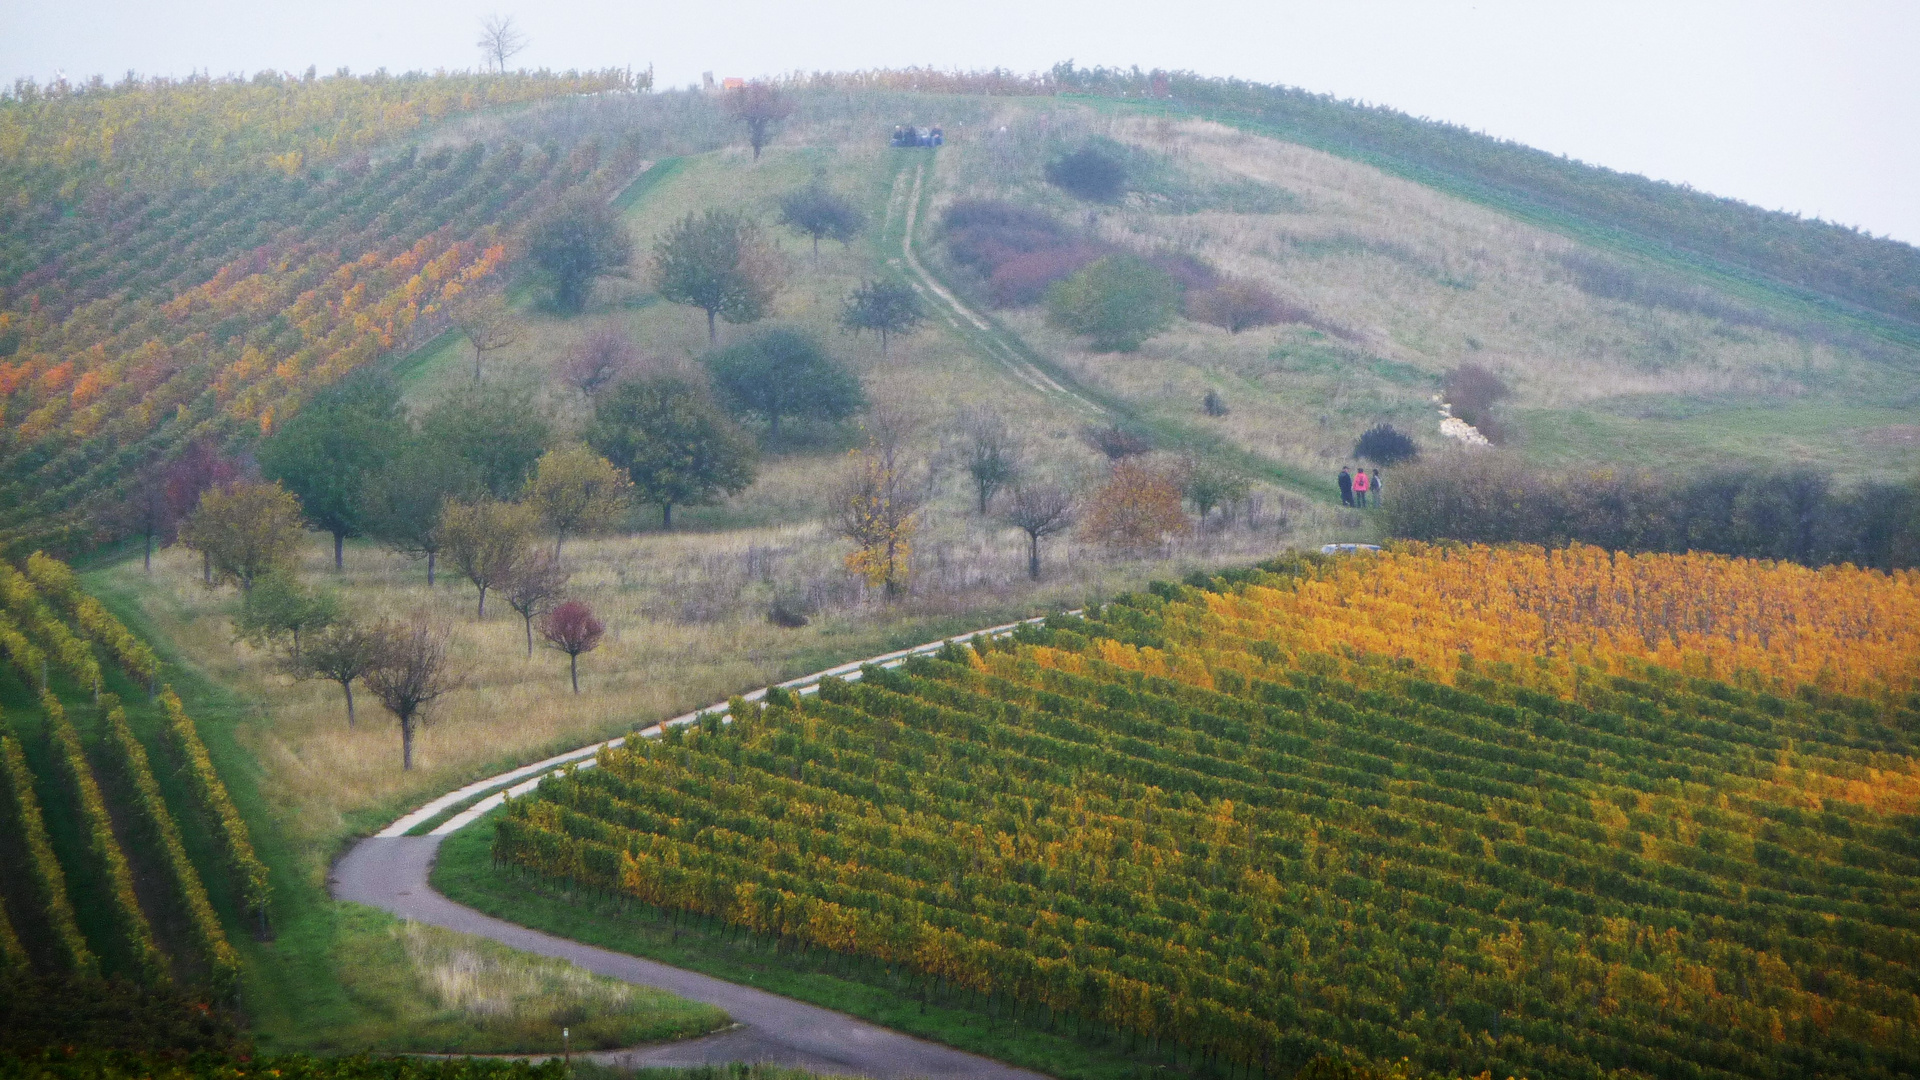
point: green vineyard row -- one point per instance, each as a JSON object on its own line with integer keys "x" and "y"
{"x": 42, "y": 864}
{"x": 223, "y": 963}
{"x": 129, "y": 921}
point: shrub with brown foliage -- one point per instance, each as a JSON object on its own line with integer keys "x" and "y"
{"x": 1236, "y": 304}
{"x": 1136, "y": 510}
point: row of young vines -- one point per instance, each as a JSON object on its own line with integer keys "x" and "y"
{"x": 109, "y": 786}
{"x": 1187, "y": 818}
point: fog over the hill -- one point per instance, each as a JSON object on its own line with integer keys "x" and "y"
{"x": 1809, "y": 108}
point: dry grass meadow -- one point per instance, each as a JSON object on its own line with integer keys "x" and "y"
{"x": 428, "y": 990}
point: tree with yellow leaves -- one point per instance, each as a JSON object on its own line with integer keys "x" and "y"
{"x": 1137, "y": 508}
{"x": 877, "y": 505}
{"x": 245, "y": 530}
{"x": 576, "y": 491}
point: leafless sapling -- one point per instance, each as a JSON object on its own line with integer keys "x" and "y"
{"x": 1040, "y": 510}
{"x": 412, "y": 672}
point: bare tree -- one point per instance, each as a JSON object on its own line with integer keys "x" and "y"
{"x": 499, "y": 41}
{"x": 536, "y": 581}
{"x": 990, "y": 452}
{"x": 488, "y": 326}
{"x": 1040, "y": 511}
{"x": 760, "y": 106}
{"x": 601, "y": 358}
{"x": 411, "y": 674}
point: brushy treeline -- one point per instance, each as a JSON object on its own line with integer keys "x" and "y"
{"x": 1799, "y": 516}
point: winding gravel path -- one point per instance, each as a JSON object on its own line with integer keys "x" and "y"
{"x": 389, "y": 871}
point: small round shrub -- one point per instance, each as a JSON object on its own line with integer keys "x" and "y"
{"x": 1089, "y": 173}
{"x": 1384, "y": 444}
{"x": 1120, "y": 301}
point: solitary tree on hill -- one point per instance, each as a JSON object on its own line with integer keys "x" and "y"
{"x": 330, "y": 449}
{"x": 245, "y": 530}
{"x": 487, "y": 324}
{"x": 1120, "y": 301}
{"x": 499, "y": 41}
{"x": 673, "y": 441}
{"x": 784, "y": 372}
{"x": 990, "y": 453}
{"x": 484, "y": 539}
{"x": 1208, "y": 484}
{"x": 403, "y": 502}
{"x": 500, "y": 430}
{"x": 576, "y": 491}
{"x": 575, "y": 242}
{"x": 411, "y": 673}
{"x": 760, "y": 106}
{"x": 885, "y": 307}
{"x": 720, "y": 263}
{"x": 537, "y": 580}
{"x": 340, "y": 652}
{"x": 817, "y": 212}
{"x": 877, "y": 505}
{"x": 280, "y": 609}
{"x": 1040, "y": 510}
{"x": 601, "y": 359}
{"x": 1136, "y": 510}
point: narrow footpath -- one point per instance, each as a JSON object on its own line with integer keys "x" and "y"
{"x": 389, "y": 871}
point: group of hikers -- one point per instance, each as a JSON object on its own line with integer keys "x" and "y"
{"x": 1356, "y": 485}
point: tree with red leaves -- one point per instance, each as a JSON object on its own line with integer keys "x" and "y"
{"x": 572, "y": 628}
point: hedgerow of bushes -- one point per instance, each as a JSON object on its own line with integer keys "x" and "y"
{"x": 1795, "y": 515}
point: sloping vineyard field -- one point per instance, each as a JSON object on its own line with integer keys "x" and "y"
{"x": 81, "y": 804}
{"x": 208, "y": 313}
{"x": 1544, "y": 813}
{"x": 189, "y": 260}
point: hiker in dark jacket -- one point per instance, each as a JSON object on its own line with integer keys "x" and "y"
{"x": 1346, "y": 486}
{"x": 1375, "y": 487}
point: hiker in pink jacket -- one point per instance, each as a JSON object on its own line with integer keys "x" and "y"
{"x": 1360, "y": 488}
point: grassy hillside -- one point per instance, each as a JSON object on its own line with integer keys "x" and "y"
{"x": 1816, "y": 262}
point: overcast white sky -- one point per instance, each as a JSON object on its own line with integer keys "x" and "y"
{"x": 1809, "y": 107}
